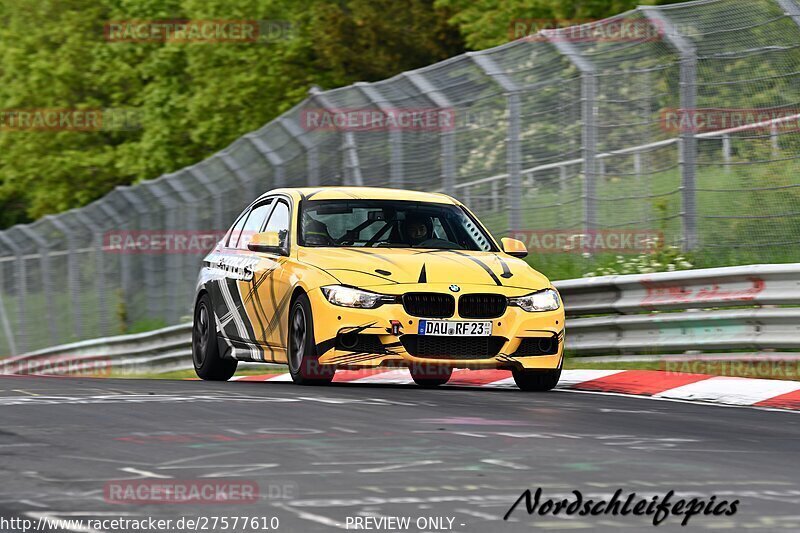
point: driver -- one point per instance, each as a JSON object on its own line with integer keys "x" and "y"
{"x": 417, "y": 229}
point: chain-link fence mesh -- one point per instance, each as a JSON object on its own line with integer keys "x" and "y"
{"x": 562, "y": 130}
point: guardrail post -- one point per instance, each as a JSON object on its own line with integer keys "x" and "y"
{"x": 396, "y": 179}
{"x": 312, "y": 155}
{"x": 513, "y": 148}
{"x": 589, "y": 130}
{"x": 688, "y": 141}
{"x": 20, "y": 292}
{"x": 447, "y": 138}
{"x": 46, "y": 276}
{"x": 73, "y": 286}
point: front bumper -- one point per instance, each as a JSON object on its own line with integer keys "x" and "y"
{"x": 332, "y": 322}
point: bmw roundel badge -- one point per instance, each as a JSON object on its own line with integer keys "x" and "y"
{"x": 455, "y": 288}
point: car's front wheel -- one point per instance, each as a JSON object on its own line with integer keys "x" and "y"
{"x": 536, "y": 380}
{"x": 303, "y": 364}
{"x": 431, "y": 377}
{"x": 208, "y": 364}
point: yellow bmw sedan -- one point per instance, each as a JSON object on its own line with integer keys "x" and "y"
{"x": 355, "y": 277}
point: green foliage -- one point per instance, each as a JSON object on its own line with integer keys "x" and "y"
{"x": 147, "y": 324}
{"x": 190, "y": 99}
{"x": 487, "y": 23}
{"x": 663, "y": 259}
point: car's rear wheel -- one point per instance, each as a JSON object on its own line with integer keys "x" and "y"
{"x": 536, "y": 380}
{"x": 208, "y": 364}
{"x": 431, "y": 377}
{"x": 303, "y": 364}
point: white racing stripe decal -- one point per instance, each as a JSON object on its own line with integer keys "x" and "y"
{"x": 237, "y": 319}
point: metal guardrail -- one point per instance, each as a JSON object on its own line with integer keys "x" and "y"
{"x": 686, "y": 310}
{"x": 731, "y": 308}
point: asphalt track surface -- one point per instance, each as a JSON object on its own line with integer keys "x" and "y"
{"x": 322, "y": 454}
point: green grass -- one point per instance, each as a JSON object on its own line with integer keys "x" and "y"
{"x": 186, "y": 374}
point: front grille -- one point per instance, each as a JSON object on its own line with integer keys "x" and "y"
{"x": 482, "y": 305}
{"x": 537, "y": 346}
{"x": 429, "y": 304}
{"x": 452, "y": 347}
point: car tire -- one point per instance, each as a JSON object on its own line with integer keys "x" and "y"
{"x": 430, "y": 378}
{"x": 302, "y": 349}
{"x": 208, "y": 364}
{"x": 536, "y": 380}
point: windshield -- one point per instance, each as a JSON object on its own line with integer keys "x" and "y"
{"x": 390, "y": 224}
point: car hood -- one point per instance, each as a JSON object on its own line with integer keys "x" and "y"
{"x": 366, "y": 267}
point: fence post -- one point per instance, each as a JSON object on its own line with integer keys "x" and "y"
{"x": 244, "y": 178}
{"x": 46, "y": 275}
{"x": 513, "y": 148}
{"x": 174, "y": 275}
{"x": 9, "y": 333}
{"x": 72, "y": 275}
{"x": 124, "y": 258}
{"x": 351, "y": 167}
{"x": 589, "y": 131}
{"x": 275, "y": 161}
{"x": 688, "y": 102}
{"x": 20, "y": 291}
{"x": 726, "y": 151}
{"x": 142, "y": 208}
{"x": 791, "y": 9}
{"x": 312, "y": 156}
{"x": 99, "y": 268}
{"x": 447, "y": 138}
{"x": 396, "y": 179}
{"x": 213, "y": 189}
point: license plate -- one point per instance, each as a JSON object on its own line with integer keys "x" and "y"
{"x": 454, "y": 328}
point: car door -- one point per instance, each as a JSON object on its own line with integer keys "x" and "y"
{"x": 235, "y": 264}
{"x": 269, "y": 291}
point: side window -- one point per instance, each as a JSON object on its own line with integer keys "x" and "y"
{"x": 254, "y": 223}
{"x": 279, "y": 221}
{"x": 236, "y": 230}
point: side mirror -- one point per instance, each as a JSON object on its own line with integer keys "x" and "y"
{"x": 513, "y": 247}
{"x": 268, "y": 242}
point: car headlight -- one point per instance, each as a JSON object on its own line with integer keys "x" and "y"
{"x": 350, "y": 297}
{"x": 544, "y": 300}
